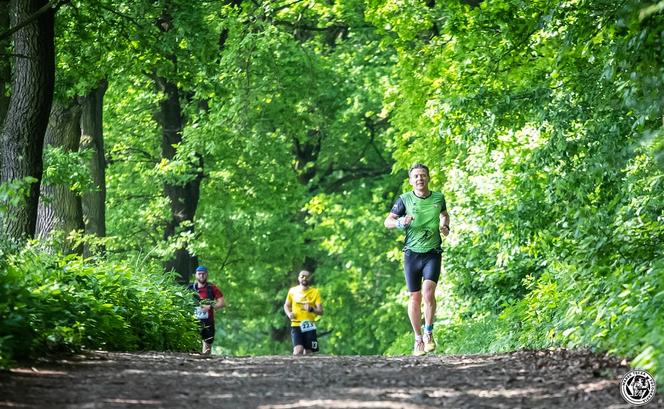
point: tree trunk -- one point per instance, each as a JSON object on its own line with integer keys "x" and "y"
{"x": 183, "y": 196}
{"x": 92, "y": 138}
{"x": 60, "y": 209}
{"x": 22, "y": 136}
{"x": 5, "y": 67}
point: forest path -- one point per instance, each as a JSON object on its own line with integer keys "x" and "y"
{"x": 526, "y": 379}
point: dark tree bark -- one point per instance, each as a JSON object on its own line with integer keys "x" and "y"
{"x": 92, "y": 138}
{"x": 5, "y": 67}
{"x": 60, "y": 208}
{"x": 183, "y": 196}
{"x": 22, "y": 136}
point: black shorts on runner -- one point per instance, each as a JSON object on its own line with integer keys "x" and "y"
{"x": 207, "y": 330}
{"x": 419, "y": 266}
{"x": 309, "y": 339}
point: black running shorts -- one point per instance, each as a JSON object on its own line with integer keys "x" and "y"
{"x": 309, "y": 339}
{"x": 207, "y": 330}
{"x": 421, "y": 266}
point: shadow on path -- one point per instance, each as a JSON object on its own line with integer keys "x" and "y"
{"x": 525, "y": 379}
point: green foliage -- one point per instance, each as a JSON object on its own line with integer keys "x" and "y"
{"x": 53, "y": 304}
{"x": 66, "y": 168}
{"x": 14, "y": 192}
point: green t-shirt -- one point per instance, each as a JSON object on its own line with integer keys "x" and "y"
{"x": 422, "y": 234}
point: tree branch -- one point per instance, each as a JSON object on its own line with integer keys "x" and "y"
{"x": 355, "y": 174}
{"x": 48, "y": 6}
{"x": 124, "y": 16}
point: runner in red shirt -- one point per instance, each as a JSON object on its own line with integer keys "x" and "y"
{"x": 210, "y": 298}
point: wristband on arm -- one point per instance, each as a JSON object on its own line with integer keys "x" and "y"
{"x": 399, "y": 224}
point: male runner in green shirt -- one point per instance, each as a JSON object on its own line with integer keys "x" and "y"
{"x": 423, "y": 215}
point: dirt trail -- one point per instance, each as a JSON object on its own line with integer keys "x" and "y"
{"x": 528, "y": 379}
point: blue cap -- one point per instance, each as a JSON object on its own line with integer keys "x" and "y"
{"x": 201, "y": 268}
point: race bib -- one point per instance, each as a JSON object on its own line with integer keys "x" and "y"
{"x": 201, "y": 314}
{"x": 306, "y": 326}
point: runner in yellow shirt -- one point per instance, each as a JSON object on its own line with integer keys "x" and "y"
{"x": 302, "y": 306}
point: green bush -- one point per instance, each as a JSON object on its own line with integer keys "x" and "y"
{"x": 54, "y": 304}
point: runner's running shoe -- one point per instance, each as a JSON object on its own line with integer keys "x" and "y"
{"x": 418, "y": 349}
{"x": 429, "y": 342}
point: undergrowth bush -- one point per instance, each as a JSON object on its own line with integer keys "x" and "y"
{"x": 619, "y": 313}
{"x": 53, "y": 304}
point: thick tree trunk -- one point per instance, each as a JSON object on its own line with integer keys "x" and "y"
{"x": 22, "y": 136}
{"x": 92, "y": 138}
{"x": 5, "y": 67}
{"x": 183, "y": 196}
{"x": 60, "y": 208}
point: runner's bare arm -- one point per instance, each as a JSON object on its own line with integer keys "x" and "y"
{"x": 393, "y": 221}
{"x": 444, "y": 225}
{"x": 219, "y": 303}
{"x": 287, "y": 310}
{"x": 318, "y": 309}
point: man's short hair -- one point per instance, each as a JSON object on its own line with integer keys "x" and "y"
{"x": 418, "y": 166}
